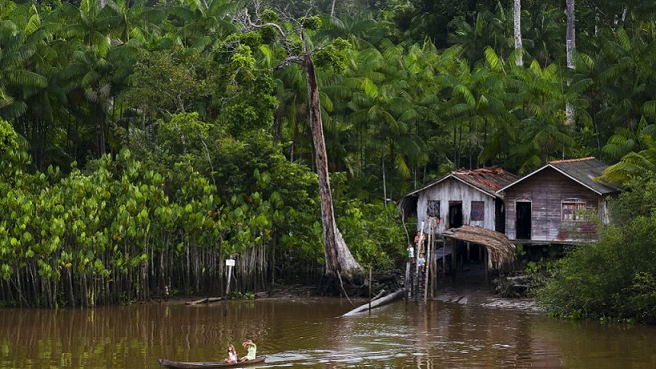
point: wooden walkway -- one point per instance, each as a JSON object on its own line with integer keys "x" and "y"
{"x": 443, "y": 251}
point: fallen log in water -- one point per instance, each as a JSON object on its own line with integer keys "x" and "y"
{"x": 382, "y": 301}
{"x": 204, "y": 301}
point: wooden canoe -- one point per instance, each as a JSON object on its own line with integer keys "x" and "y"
{"x": 209, "y": 364}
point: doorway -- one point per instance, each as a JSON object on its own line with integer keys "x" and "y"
{"x": 455, "y": 214}
{"x": 523, "y": 220}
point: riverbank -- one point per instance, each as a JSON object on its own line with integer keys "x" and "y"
{"x": 469, "y": 287}
{"x": 472, "y": 294}
{"x": 481, "y": 296}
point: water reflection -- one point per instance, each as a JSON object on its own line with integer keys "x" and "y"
{"x": 308, "y": 333}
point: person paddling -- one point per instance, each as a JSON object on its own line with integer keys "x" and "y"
{"x": 252, "y": 349}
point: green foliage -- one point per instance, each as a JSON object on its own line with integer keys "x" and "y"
{"x": 12, "y": 157}
{"x": 219, "y": 146}
{"x": 614, "y": 277}
{"x": 269, "y": 15}
{"x": 373, "y": 234}
{"x": 269, "y": 34}
{"x": 311, "y": 23}
{"x": 333, "y": 55}
{"x": 236, "y": 295}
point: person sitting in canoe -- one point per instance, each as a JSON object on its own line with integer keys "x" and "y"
{"x": 252, "y": 348}
{"x": 232, "y": 355}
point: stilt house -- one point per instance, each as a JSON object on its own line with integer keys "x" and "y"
{"x": 463, "y": 197}
{"x": 555, "y": 203}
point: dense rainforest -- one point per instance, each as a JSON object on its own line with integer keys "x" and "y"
{"x": 142, "y": 143}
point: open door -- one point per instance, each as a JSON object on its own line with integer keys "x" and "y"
{"x": 523, "y": 220}
{"x": 455, "y": 214}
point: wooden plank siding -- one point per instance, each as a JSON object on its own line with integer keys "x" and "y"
{"x": 454, "y": 190}
{"x": 546, "y": 191}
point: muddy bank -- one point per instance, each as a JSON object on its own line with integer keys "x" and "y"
{"x": 469, "y": 287}
{"x": 481, "y": 296}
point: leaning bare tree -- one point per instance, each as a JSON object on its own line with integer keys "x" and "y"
{"x": 299, "y": 50}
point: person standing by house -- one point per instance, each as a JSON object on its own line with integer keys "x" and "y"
{"x": 411, "y": 253}
{"x": 421, "y": 262}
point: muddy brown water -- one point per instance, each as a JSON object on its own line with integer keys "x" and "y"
{"x": 308, "y": 333}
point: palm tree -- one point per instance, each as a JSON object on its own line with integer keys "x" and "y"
{"x": 20, "y": 35}
{"x": 542, "y": 34}
{"x": 624, "y": 72}
{"x": 479, "y": 103}
{"x": 203, "y": 23}
{"x": 487, "y": 29}
{"x": 543, "y": 134}
{"x": 92, "y": 28}
{"x": 639, "y": 153}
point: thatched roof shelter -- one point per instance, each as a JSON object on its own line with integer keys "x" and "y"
{"x": 499, "y": 248}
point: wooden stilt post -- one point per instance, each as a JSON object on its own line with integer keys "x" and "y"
{"x": 369, "y": 290}
{"x": 444, "y": 259}
{"x": 434, "y": 265}
{"x": 407, "y": 281}
{"x": 415, "y": 286}
{"x": 427, "y": 257}
{"x": 229, "y": 263}
{"x": 454, "y": 260}
{"x": 487, "y": 282}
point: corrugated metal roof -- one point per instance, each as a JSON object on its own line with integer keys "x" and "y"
{"x": 582, "y": 170}
{"x": 585, "y": 171}
{"x": 487, "y": 180}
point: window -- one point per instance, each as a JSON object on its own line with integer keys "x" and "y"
{"x": 433, "y": 208}
{"x": 477, "y": 210}
{"x": 572, "y": 209}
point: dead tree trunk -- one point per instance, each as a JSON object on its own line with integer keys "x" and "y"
{"x": 385, "y": 300}
{"x": 338, "y": 256}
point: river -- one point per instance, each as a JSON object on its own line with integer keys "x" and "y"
{"x": 307, "y": 332}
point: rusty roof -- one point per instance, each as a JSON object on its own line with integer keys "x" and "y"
{"x": 488, "y": 180}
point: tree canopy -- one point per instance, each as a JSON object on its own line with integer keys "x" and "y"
{"x": 154, "y": 139}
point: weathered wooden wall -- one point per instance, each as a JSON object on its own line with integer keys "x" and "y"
{"x": 453, "y": 190}
{"x": 546, "y": 191}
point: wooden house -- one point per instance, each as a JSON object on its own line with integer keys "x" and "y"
{"x": 463, "y": 197}
{"x": 554, "y": 203}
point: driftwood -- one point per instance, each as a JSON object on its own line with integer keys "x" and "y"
{"x": 204, "y": 301}
{"x": 382, "y": 301}
{"x": 378, "y": 295}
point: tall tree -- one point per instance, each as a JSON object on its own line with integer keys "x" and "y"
{"x": 517, "y": 22}
{"x": 300, "y": 50}
{"x": 571, "y": 47}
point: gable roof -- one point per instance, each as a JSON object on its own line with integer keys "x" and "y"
{"x": 581, "y": 170}
{"x": 486, "y": 180}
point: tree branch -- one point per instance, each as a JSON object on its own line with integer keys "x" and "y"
{"x": 294, "y": 59}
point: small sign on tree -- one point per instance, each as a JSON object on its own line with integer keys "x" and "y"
{"x": 230, "y": 262}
